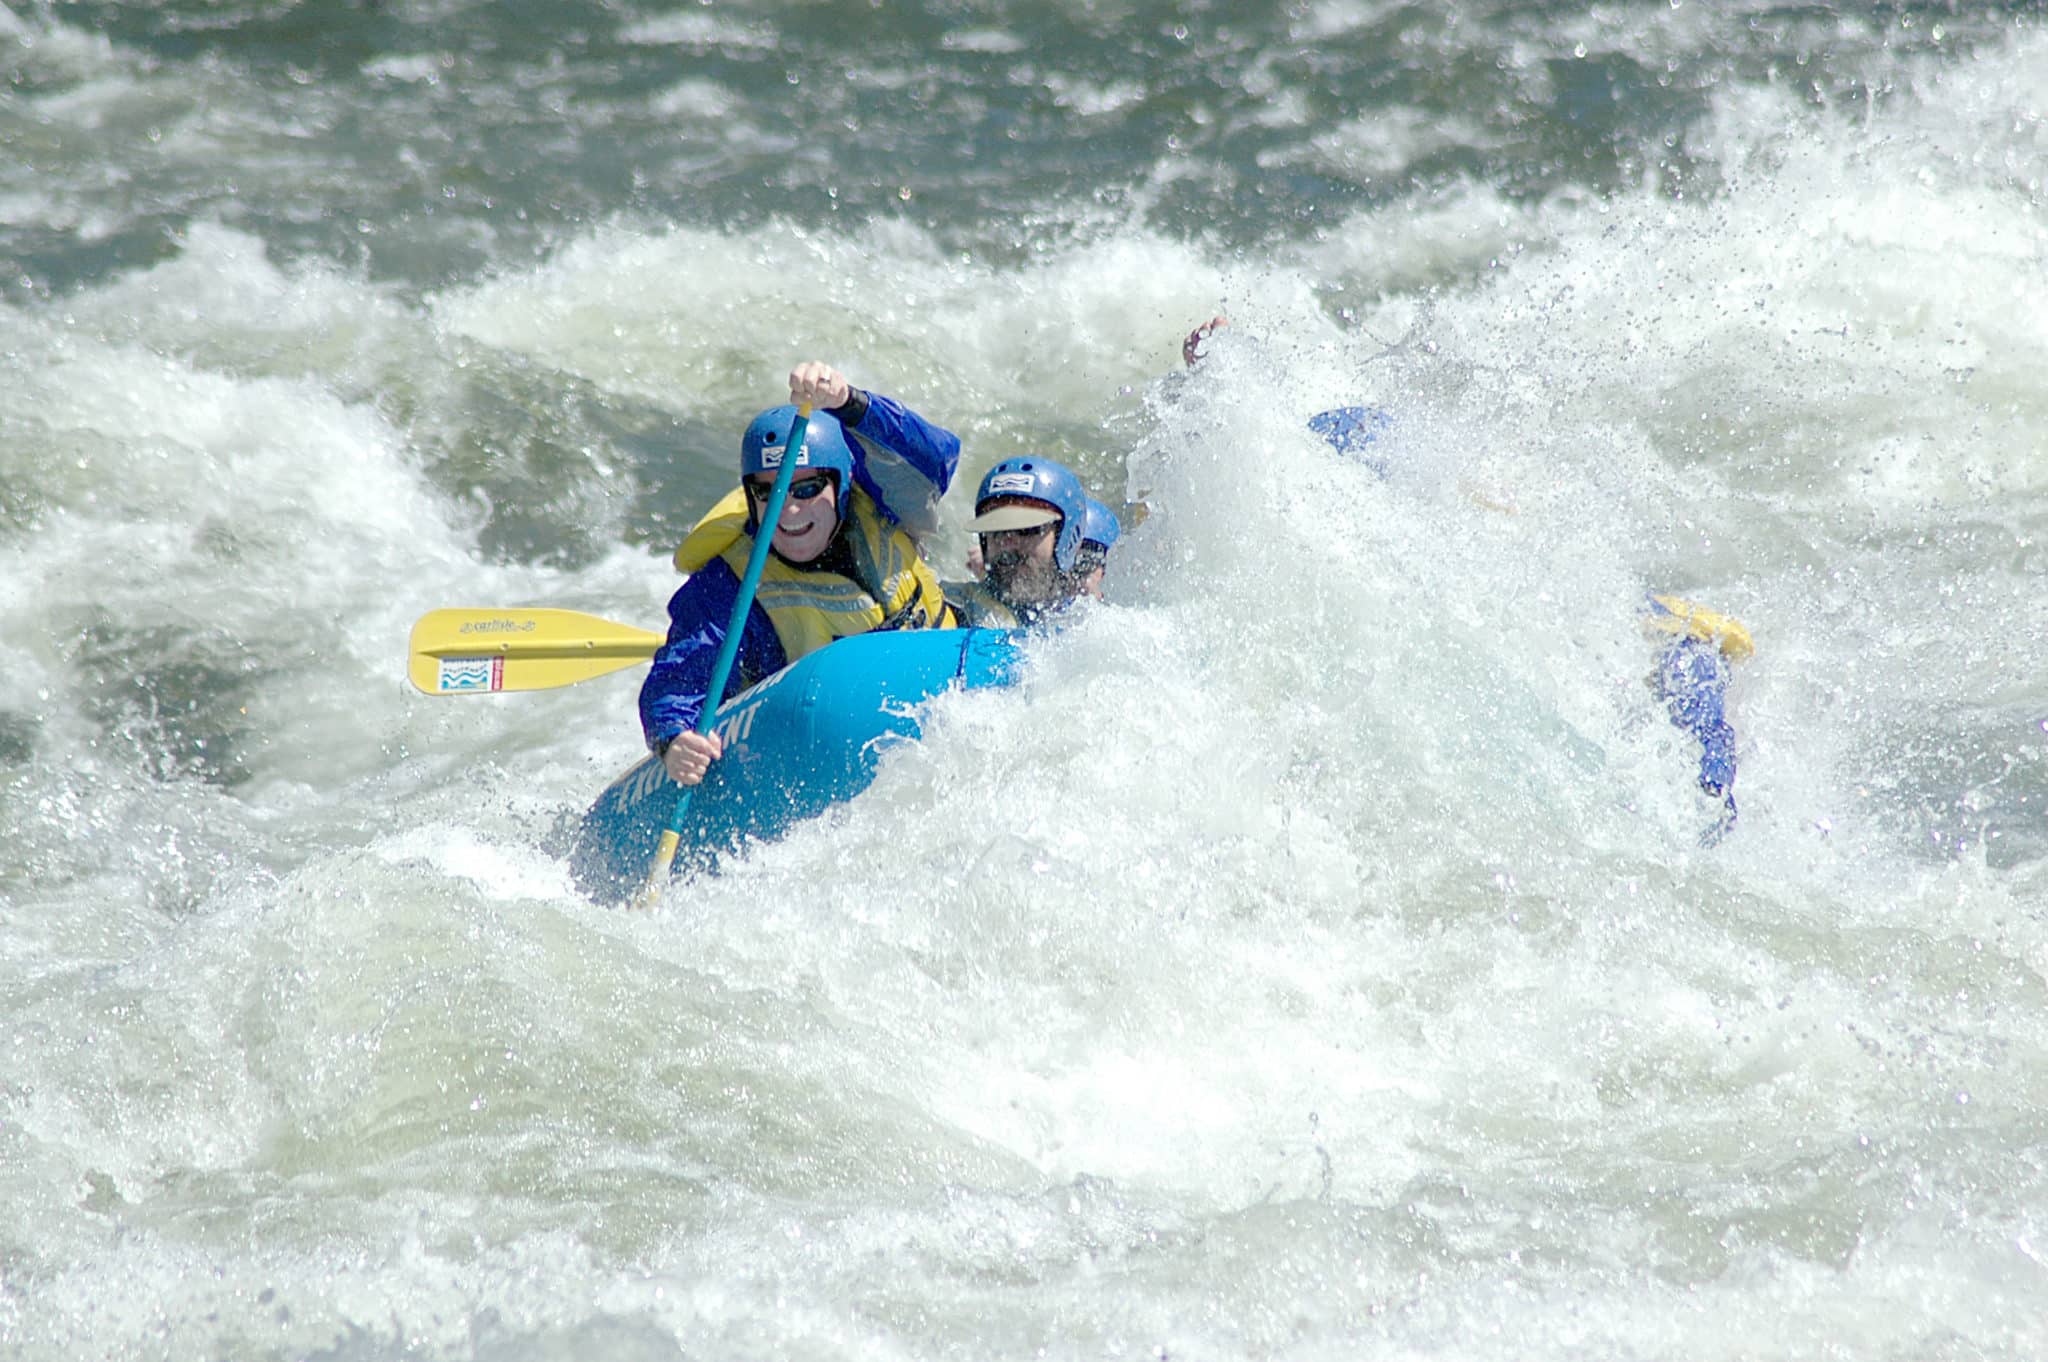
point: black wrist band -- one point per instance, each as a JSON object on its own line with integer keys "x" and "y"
{"x": 853, "y": 410}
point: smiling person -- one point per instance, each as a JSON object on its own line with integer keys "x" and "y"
{"x": 1030, "y": 514}
{"x": 844, "y": 559}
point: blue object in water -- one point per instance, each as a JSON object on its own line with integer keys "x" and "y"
{"x": 806, "y": 738}
{"x": 1353, "y": 431}
{"x": 1692, "y": 680}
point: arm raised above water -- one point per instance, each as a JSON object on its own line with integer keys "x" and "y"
{"x": 902, "y": 460}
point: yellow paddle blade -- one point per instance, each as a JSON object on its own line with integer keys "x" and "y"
{"x": 466, "y": 652}
{"x": 1680, "y": 616}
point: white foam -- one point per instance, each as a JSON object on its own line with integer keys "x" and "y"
{"x": 700, "y": 30}
{"x": 418, "y": 68}
{"x": 994, "y": 41}
{"x": 1333, "y": 18}
{"x": 1381, "y": 145}
{"x": 697, "y": 98}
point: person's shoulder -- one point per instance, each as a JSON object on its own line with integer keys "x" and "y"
{"x": 903, "y": 491}
{"x": 892, "y": 425}
{"x": 704, "y": 590}
{"x": 977, "y": 606}
{"x": 716, "y": 531}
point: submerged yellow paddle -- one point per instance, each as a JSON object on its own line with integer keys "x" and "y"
{"x": 1674, "y": 615}
{"x": 472, "y": 652}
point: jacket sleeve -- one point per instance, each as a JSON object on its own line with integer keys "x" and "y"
{"x": 672, "y": 696}
{"x": 1692, "y": 679}
{"x": 904, "y": 461}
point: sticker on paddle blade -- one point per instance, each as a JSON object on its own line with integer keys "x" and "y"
{"x": 472, "y": 673}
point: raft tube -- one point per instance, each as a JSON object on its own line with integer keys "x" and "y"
{"x": 802, "y": 740}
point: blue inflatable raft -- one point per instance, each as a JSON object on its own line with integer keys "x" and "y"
{"x": 806, "y": 738}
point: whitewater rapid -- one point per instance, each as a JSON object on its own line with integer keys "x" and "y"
{"x": 1315, "y": 955}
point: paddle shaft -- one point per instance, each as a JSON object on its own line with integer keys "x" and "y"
{"x": 728, "y": 651}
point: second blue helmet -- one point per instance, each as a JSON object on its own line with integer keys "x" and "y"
{"x": 1037, "y": 479}
{"x": 1099, "y": 527}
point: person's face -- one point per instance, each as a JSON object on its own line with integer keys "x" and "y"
{"x": 810, "y": 513}
{"x": 1020, "y": 565}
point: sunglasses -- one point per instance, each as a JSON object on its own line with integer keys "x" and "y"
{"x": 802, "y": 489}
{"x": 1029, "y": 532}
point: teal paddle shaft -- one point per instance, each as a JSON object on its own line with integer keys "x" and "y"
{"x": 728, "y": 652}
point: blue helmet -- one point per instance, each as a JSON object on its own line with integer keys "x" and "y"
{"x": 1353, "y": 431}
{"x": 1037, "y": 479}
{"x": 1099, "y": 529}
{"x": 825, "y": 449}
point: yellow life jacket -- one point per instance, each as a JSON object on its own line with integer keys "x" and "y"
{"x": 893, "y": 586}
{"x": 1675, "y": 615}
{"x": 978, "y": 607}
